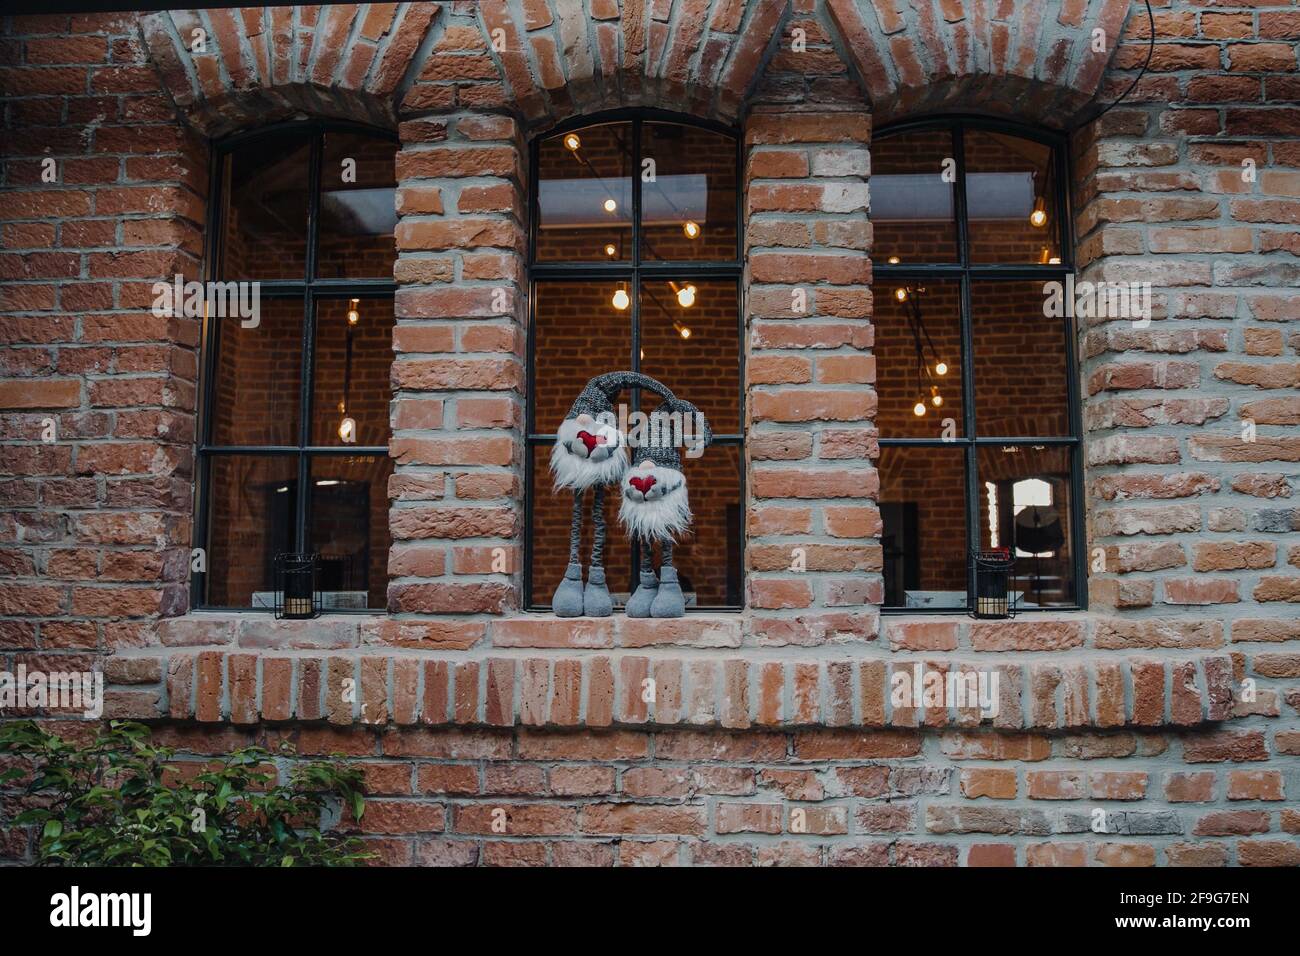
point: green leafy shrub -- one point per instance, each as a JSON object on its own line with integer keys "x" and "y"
{"x": 120, "y": 801}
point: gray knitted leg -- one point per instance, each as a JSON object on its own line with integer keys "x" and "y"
{"x": 596, "y": 601}
{"x": 638, "y": 605}
{"x": 567, "y": 600}
{"x": 669, "y": 602}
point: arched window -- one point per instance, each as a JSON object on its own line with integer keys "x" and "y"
{"x": 978, "y": 417}
{"x": 635, "y": 265}
{"x": 293, "y": 445}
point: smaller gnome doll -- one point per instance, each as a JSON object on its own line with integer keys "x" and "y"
{"x": 655, "y": 508}
{"x": 590, "y": 452}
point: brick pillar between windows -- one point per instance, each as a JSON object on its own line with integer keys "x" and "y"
{"x": 814, "y": 554}
{"x": 457, "y": 376}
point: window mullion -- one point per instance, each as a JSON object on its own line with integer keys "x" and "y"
{"x": 959, "y": 195}
{"x": 308, "y": 344}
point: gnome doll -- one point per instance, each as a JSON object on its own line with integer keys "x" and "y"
{"x": 590, "y": 452}
{"x": 655, "y": 508}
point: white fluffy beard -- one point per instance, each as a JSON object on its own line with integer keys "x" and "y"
{"x": 658, "y": 519}
{"x": 570, "y": 471}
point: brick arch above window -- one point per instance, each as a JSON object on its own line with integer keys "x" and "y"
{"x": 232, "y": 69}
{"x": 1032, "y": 59}
{"x": 553, "y": 60}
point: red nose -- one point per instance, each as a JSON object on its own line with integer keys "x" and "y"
{"x": 590, "y": 440}
{"x": 642, "y": 485}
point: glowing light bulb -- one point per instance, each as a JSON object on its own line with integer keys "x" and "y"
{"x": 571, "y": 142}
{"x": 894, "y": 260}
{"x": 1054, "y": 261}
{"x": 683, "y": 330}
{"x": 941, "y": 368}
{"x": 1038, "y": 217}
{"x": 692, "y": 229}
{"x": 686, "y": 296}
{"x": 918, "y": 409}
{"x": 621, "y": 299}
{"x": 348, "y": 430}
{"x": 353, "y": 315}
{"x": 900, "y": 294}
{"x": 610, "y": 205}
{"x": 935, "y": 398}
{"x": 610, "y": 249}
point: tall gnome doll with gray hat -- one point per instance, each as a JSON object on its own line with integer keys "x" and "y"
{"x": 590, "y": 452}
{"x": 654, "y": 505}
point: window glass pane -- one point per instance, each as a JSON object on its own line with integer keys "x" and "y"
{"x": 349, "y": 528}
{"x": 252, "y": 503}
{"x": 923, "y": 511}
{"x": 693, "y": 348}
{"x": 1021, "y": 377}
{"x": 918, "y": 358}
{"x": 584, "y": 194}
{"x": 1024, "y": 505}
{"x": 1010, "y": 199}
{"x": 912, "y": 204}
{"x": 352, "y": 376}
{"x": 688, "y": 205}
{"x": 552, "y": 518}
{"x": 358, "y": 207}
{"x": 258, "y": 374}
{"x": 265, "y": 214}
{"x": 579, "y": 334}
{"x": 708, "y": 559}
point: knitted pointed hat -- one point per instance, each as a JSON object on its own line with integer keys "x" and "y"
{"x": 673, "y": 422}
{"x": 598, "y": 395}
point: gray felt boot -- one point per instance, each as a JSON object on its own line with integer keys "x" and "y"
{"x": 596, "y": 601}
{"x": 567, "y": 601}
{"x": 669, "y": 602}
{"x": 638, "y": 605}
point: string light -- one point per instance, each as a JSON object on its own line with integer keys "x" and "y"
{"x": 692, "y": 229}
{"x": 935, "y": 398}
{"x": 683, "y": 330}
{"x": 610, "y": 250}
{"x": 353, "y": 315}
{"x": 621, "y": 299}
{"x": 571, "y": 142}
{"x": 900, "y": 294}
{"x": 941, "y": 368}
{"x": 918, "y": 409}
{"x": 686, "y": 296}
{"x": 1038, "y": 217}
{"x": 894, "y": 260}
{"x": 610, "y": 205}
{"x": 348, "y": 430}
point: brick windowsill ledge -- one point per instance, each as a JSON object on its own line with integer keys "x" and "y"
{"x": 707, "y": 671}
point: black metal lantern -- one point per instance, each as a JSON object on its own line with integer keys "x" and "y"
{"x": 296, "y": 594}
{"x": 993, "y": 583}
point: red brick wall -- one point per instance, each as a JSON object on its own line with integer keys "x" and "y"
{"x": 1173, "y": 699}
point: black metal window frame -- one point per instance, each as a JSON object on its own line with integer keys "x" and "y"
{"x": 309, "y": 289}
{"x": 964, "y": 271}
{"x": 632, "y": 271}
